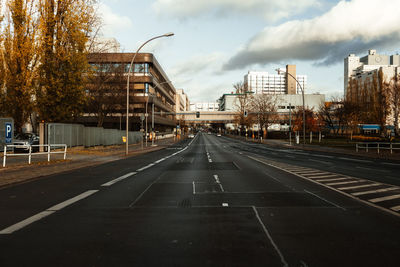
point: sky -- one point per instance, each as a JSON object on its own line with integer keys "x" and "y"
{"x": 217, "y": 42}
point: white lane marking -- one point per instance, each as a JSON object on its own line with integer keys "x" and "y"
{"x": 322, "y": 176}
{"x": 336, "y": 205}
{"x": 380, "y": 199}
{"x": 374, "y": 191}
{"x": 311, "y": 172}
{"x": 320, "y": 161}
{"x": 15, "y": 227}
{"x": 237, "y": 166}
{"x": 325, "y": 156}
{"x": 145, "y": 167}
{"x": 218, "y": 182}
{"x": 11, "y": 229}
{"x": 340, "y": 183}
{"x": 225, "y": 205}
{"x": 356, "y": 160}
{"x": 160, "y": 160}
{"x": 72, "y": 200}
{"x": 240, "y": 153}
{"x": 285, "y": 264}
{"x": 397, "y": 208}
{"x": 119, "y": 179}
{"x": 358, "y": 186}
{"x": 364, "y": 168}
{"x": 194, "y": 188}
{"x": 332, "y": 180}
{"x": 391, "y": 164}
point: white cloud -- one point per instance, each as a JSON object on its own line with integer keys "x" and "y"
{"x": 209, "y": 63}
{"x": 271, "y": 10}
{"x": 349, "y": 27}
{"x": 113, "y": 22}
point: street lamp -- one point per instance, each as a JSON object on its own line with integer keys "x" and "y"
{"x": 127, "y": 86}
{"x": 304, "y": 110}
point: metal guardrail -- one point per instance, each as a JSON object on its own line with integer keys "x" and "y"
{"x": 378, "y": 146}
{"x": 29, "y": 154}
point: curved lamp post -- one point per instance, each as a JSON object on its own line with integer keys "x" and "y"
{"x": 304, "y": 110}
{"x": 127, "y": 86}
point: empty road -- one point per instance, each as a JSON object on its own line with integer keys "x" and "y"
{"x": 208, "y": 201}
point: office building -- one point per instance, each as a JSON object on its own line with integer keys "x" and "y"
{"x": 149, "y": 84}
{"x": 280, "y": 83}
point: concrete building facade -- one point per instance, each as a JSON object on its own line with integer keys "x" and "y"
{"x": 149, "y": 84}
{"x": 281, "y": 83}
{"x": 204, "y": 106}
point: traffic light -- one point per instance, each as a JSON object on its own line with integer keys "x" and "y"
{"x": 245, "y": 113}
{"x": 197, "y": 114}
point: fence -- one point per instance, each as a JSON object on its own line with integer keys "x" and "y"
{"x": 79, "y": 135}
{"x": 29, "y": 154}
{"x": 378, "y": 146}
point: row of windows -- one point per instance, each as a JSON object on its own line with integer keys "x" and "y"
{"x": 112, "y": 67}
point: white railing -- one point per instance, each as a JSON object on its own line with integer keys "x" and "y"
{"x": 29, "y": 154}
{"x": 378, "y": 146}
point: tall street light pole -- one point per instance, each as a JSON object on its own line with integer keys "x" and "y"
{"x": 304, "y": 110}
{"x": 127, "y": 86}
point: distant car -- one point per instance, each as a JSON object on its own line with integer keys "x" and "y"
{"x": 23, "y": 141}
{"x": 191, "y": 136}
{"x": 209, "y": 132}
{"x": 218, "y": 134}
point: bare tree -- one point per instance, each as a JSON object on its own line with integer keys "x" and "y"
{"x": 264, "y": 110}
{"x": 242, "y": 105}
{"x": 393, "y": 88}
{"x": 105, "y": 91}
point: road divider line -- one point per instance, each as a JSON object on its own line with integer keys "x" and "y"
{"x": 22, "y": 224}
{"x": 194, "y": 188}
{"x": 225, "y": 205}
{"x": 119, "y": 179}
{"x": 15, "y": 227}
{"x": 145, "y": 167}
{"x": 72, "y": 200}
{"x": 330, "y": 202}
{"x": 284, "y": 262}
{"x": 218, "y": 182}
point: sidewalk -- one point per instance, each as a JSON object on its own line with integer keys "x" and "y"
{"x": 18, "y": 170}
{"x": 385, "y": 154}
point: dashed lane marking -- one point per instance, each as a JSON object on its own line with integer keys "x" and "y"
{"x": 119, "y": 179}
{"x": 15, "y": 227}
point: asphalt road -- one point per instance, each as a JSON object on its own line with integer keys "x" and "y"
{"x": 211, "y": 201}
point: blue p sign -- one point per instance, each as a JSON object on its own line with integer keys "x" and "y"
{"x": 8, "y": 133}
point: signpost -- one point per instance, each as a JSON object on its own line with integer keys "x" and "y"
{"x": 8, "y": 139}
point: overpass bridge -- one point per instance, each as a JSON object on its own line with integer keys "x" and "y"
{"x": 207, "y": 116}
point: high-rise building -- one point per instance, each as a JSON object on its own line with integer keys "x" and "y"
{"x": 361, "y": 69}
{"x": 281, "y": 83}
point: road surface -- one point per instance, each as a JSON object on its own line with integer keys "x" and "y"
{"x": 209, "y": 201}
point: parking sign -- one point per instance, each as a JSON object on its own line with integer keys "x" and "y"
{"x": 8, "y": 133}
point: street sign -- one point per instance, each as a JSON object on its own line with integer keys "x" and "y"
{"x": 8, "y": 133}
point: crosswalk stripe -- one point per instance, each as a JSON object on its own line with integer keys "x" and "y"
{"x": 380, "y": 199}
{"x": 374, "y": 191}
{"x": 332, "y": 180}
{"x": 351, "y": 182}
{"x": 305, "y": 172}
{"x": 397, "y": 208}
{"x": 358, "y": 186}
{"x": 323, "y": 176}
